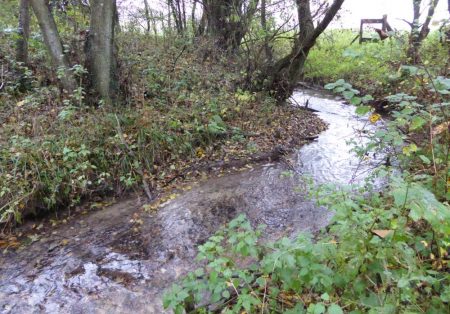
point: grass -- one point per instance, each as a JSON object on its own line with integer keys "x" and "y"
{"x": 371, "y": 67}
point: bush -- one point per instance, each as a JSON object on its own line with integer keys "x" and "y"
{"x": 385, "y": 254}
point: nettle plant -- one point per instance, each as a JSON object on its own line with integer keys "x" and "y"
{"x": 381, "y": 254}
{"x": 416, "y": 135}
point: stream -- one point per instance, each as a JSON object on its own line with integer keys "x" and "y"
{"x": 112, "y": 261}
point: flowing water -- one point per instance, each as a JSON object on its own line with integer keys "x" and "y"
{"x": 330, "y": 158}
{"x": 113, "y": 261}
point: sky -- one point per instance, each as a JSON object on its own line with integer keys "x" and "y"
{"x": 355, "y": 10}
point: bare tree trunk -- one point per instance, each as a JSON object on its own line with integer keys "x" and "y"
{"x": 169, "y": 16}
{"x": 24, "y": 32}
{"x": 100, "y": 56}
{"x": 193, "y": 22}
{"x": 227, "y": 23}
{"x": 281, "y": 77}
{"x": 176, "y": 11}
{"x": 201, "y": 26}
{"x": 53, "y": 42}
{"x": 267, "y": 50}
{"x": 184, "y": 15}
{"x": 155, "y": 28}
{"x": 419, "y": 32}
{"x": 147, "y": 15}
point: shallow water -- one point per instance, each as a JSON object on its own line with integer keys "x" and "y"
{"x": 330, "y": 158}
{"x": 107, "y": 263}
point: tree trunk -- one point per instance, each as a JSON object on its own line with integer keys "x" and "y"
{"x": 184, "y": 15}
{"x": 147, "y": 15}
{"x": 280, "y": 78}
{"x": 101, "y": 61}
{"x": 267, "y": 49}
{"x": 53, "y": 42}
{"x": 200, "y": 31}
{"x": 24, "y": 32}
{"x": 227, "y": 23}
{"x": 176, "y": 12}
{"x": 155, "y": 29}
{"x": 418, "y": 32}
{"x": 193, "y": 22}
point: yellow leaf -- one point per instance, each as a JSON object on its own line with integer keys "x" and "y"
{"x": 65, "y": 242}
{"x": 374, "y": 118}
{"x": 200, "y": 152}
{"x": 382, "y": 233}
{"x": 440, "y": 128}
{"x": 20, "y": 103}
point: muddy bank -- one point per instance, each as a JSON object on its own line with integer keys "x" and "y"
{"x": 120, "y": 259}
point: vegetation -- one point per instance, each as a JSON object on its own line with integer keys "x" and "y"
{"x": 375, "y": 67}
{"x": 93, "y": 105}
{"x": 88, "y": 108}
{"x": 385, "y": 251}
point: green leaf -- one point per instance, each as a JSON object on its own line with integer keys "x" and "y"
{"x": 362, "y": 110}
{"x": 348, "y": 94}
{"x": 356, "y": 101}
{"x": 318, "y": 308}
{"x": 325, "y": 297}
{"x": 335, "y": 309}
{"x": 417, "y": 122}
{"x": 425, "y": 159}
{"x": 400, "y": 195}
{"x": 403, "y": 283}
{"x": 199, "y": 272}
{"x": 330, "y": 86}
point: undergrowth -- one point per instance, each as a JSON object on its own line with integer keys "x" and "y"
{"x": 374, "y": 67}
{"x": 387, "y": 248}
{"x": 383, "y": 254}
{"x": 180, "y": 106}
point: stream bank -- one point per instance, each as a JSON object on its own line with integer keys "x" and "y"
{"x": 121, "y": 259}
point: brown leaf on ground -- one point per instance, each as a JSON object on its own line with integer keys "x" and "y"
{"x": 382, "y": 233}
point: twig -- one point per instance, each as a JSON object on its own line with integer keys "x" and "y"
{"x": 2, "y": 84}
{"x": 178, "y": 57}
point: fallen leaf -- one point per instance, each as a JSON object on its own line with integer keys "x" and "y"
{"x": 382, "y": 233}
{"x": 440, "y": 128}
{"x": 374, "y": 118}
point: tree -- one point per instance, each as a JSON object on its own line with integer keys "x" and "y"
{"x": 53, "y": 42}
{"x": 24, "y": 32}
{"x": 419, "y": 31}
{"x": 280, "y": 77}
{"x": 267, "y": 49}
{"x": 228, "y": 21}
{"x": 100, "y": 55}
